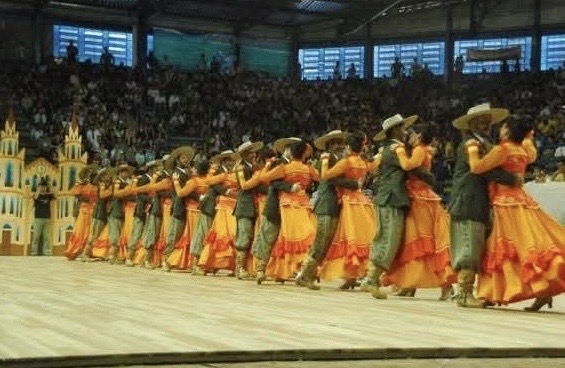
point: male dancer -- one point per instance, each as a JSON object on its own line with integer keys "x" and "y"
{"x": 116, "y": 216}
{"x": 245, "y": 208}
{"x": 182, "y": 157}
{"x": 326, "y": 209}
{"x": 469, "y": 205}
{"x": 271, "y": 221}
{"x": 208, "y": 209}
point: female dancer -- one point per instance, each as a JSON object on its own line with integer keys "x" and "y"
{"x": 86, "y": 192}
{"x": 526, "y": 247}
{"x": 298, "y": 229}
{"x": 357, "y": 225}
{"x": 424, "y": 259}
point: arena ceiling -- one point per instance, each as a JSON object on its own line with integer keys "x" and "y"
{"x": 247, "y": 13}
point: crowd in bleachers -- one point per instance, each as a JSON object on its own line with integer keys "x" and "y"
{"x": 128, "y": 114}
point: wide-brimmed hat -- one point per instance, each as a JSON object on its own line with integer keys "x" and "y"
{"x": 183, "y": 150}
{"x": 151, "y": 164}
{"x": 322, "y": 141}
{"x": 86, "y": 172}
{"x": 104, "y": 172}
{"x": 124, "y": 167}
{"x": 282, "y": 143}
{"x": 222, "y": 156}
{"x": 393, "y": 121}
{"x": 247, "y": 147}
{"x": 497, "y": 115}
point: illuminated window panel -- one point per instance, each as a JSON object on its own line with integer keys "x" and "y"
{"x": 319, "y": 63}
{"x": 430, "y": 53}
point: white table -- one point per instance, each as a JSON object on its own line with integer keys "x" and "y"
{"x": 550, "y": 196}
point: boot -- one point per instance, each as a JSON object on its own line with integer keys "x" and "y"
{"x": 466, "y": 280}
{"x": 306, "y": 276}
{"x": 406, "y": 292}
{"x": 147, "y": 260}
{"x": 446, "y": 292}
{"x": 86, "y": 253}
{"x": 260, "y": 271}
{"x": 165, "y": 266}
{"x": 129, "y": 258}
{"x": 373, "y": 283}
{"x": 240, "y": 271}
{"x": 196, "y": 270}
{"x": 539, "y": 303}
{"x": 366, "y": 282}
{"x": 112, "y": 255}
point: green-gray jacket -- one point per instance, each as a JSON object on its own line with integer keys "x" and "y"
{"x": 469, "y": 195}
{"x": 178, "y": 209}
{"x": 245, "y": 206}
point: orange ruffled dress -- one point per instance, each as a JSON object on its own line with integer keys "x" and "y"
{"x": 218, "y": 252}
{"x": 127, "y": 228}
{"x": 525, "y": 256}
{"x": 88, "y": 192}
{"x": 424, "y": 259}
{"x": 180, "y": 258}
{"x": 298, "y": 224}
{"x": 357, "y": 225}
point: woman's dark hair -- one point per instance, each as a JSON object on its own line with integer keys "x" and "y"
{"x": 202, "y": 167}
{"x": 266, "y": 153}
{"x": 297, "y": 150}
{"x": 356, "y": 141}
{"x": 518, "y": 129}
{"x": 428, "y": 132}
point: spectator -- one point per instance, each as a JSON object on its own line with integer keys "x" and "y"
{"x": 42, "y": 221}
{"x": 72, "y": 53}
{"x": 559, "y": 174}
{"x": 397, "y": 69}
{"x": 107, "y": 60}
{"x": 352, "y": 72}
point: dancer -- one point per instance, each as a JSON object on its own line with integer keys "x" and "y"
{"x": 103, "y": 181}
{"x": 423, "y": 260}
{"x": 469, "y": 203}
{"x": 298, "y": 230}
{"x": 191, "y": 192}
{"x": 181, "y": 157}
{"x": 219, "y": 249}
{"x": 392, "y": 201}
{"x": 207, "y": 209}
{"x": 270, "y": 217}
{"x": 326, "y": 208}
{"x": 117, "y": 215}
{"x": 85, "y": 191}
{"x": 245, "y": 209}
{"x": 349, "y": 250}
{"x": 142, "y": 202}
{"x": 525, "y": 250}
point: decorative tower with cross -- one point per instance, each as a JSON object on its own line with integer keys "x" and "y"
{"x": 12, "y": 189}
{"x": 71, "y": 160}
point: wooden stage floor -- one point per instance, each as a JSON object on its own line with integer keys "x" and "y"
{"x": 58, "y": 313}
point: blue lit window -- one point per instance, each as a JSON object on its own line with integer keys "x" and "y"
{"x": 430, "y": 53}
{"x": 319, "y": 63}
{"x": 475, "y": 67}
{"x": 150, "y": 43}
{"x": 552, "y": 51}
{"x": 90, "y": 43}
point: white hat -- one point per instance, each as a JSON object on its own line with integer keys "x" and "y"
{"x": 321, "y": 142}
{"x": 393, "y": 121}
{"x": 497, "y": 115}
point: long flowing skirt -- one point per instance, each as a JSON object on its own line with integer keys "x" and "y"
{"x": 180, "y": 257}
{"x": 349, "y": 251}
{"x": 127, "y": 228}
{"x": 159, "y": 245}
{"x": 81, "y": 231}
{"x": 219, "y": 248}
{"x": 101, "y": 246}
{"x": 298, "y": 230}
{"x": 423, "y": 261}
{"x": 525, "y": 256}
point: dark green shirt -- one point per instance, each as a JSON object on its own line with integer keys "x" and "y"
{"x": 43, "y": 205}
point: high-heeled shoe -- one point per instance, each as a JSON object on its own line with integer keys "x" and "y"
{"x": 407, "y": 292}
{"x": 349, "y": 284}
{"x": 539, "y": 303}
